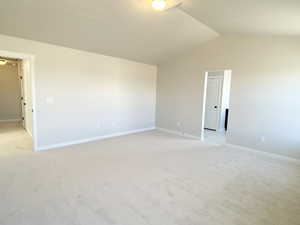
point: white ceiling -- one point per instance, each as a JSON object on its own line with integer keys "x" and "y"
{"x": 123, "y": 28}
{"x": 131, "y": 29}
{"x": 259, "y": 17}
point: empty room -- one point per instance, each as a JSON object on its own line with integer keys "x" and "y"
{"x": 150, "y": 112}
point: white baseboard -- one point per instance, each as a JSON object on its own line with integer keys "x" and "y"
{"x": 269, "y": 154}
{"x": 64, "y": 144}
{"x": 178, "y": 133}
{"x": 274, "y": 155}
{"x": 10, "y": 120}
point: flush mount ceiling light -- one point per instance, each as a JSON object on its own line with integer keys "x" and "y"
{"x": 2, "y": 62}
{"x": 159, "y": 4}
{"x": 163, "y": 5}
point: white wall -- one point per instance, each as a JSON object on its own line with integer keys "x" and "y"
{"x": 265, "y": 90}
{"x": 10, "y": 93}
{"x": 81, "y": 95}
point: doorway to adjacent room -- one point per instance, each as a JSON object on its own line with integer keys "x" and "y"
{"x": 216, "y": 106}
{"x": 16, "y": 100}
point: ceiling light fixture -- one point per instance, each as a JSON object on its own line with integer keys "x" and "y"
{"x": 2, "y": 62}
{"x": 159, "y": 4}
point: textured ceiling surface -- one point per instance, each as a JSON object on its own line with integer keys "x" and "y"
{"x": 131, "y": 29}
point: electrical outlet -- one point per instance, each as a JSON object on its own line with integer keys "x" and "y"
{"x": 262, "y": 138}
{"x": 178, "y": 124}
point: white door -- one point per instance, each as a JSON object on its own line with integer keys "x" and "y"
{"x": 213, "y": 102}
{"x": 23, "y": 104}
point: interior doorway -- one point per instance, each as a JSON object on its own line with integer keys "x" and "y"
{"x": 16, "y": 101}
{"x": 216, "y": 106}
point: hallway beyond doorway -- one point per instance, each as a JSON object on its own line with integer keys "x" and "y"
{"x": 14, "y": 138}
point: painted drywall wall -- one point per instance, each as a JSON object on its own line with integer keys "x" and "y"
{"x": 81, "y": 95}
{"x": 10, "y": 93}
{"x": 264, "y": 101}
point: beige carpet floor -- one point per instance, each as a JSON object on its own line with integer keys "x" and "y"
{"x": 150, "y": 178}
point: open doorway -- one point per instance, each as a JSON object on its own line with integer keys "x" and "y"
{"x": 216, "y": 106}
{"x": 16, "y": 105}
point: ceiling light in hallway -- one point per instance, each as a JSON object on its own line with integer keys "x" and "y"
{"x": 2, "y": 62}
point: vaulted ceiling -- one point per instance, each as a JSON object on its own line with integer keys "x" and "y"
{"x": 131, "y": 29}
{"x": 260, "y": 17}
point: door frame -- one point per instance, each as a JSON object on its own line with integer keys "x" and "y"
{"x": 206, "y": 74}
{"x": 21, "y": 80}
{"x": 29, "y": 73}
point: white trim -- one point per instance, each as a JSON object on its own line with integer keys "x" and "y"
{"x": 204, "y": 105}
{"x": 10, "y": 120}
{"x": 31, "y": 61}
{"x": 222, "y": 130}
{"x": 274, "y": 155}
{"x": 178, "y": 133}
{"x": 270, "y": 154}
{"x": 48, "y": 147}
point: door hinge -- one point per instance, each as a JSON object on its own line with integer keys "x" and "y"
{"x": 23, "y": 118}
